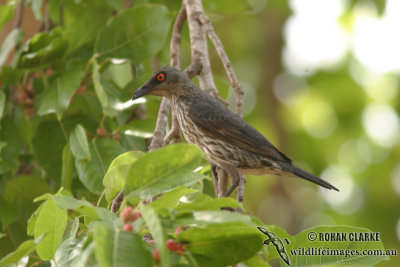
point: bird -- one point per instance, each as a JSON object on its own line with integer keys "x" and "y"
{"x": 228, "y": 141}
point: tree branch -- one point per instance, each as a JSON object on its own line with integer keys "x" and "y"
{"x": 200, "y": 64}
{"x": 19, "y": 14}
{"x": 161, "y": 124}
{"x": 175, "y": 44}
{"x": 225, "y": 61}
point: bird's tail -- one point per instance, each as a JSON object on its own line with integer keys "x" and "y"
{"x": 306, "y": 175}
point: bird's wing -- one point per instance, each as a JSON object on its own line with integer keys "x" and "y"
{"x": 219, "y": 122}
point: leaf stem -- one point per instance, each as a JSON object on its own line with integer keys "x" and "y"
{"x": 62, "y": 127}
{"x": 191, "y": 259}
{"x": 44, "y": 79}
{"x": 101, "y": 198}
{"x": 98, "y": 155}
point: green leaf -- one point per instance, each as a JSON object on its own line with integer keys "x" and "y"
{"x": 170, "y": 200}
{"x": 114, "y": 180}
{"x": 57, "y": 97}
{"x": 9, "y": 213}
{"x": 211, "y": 204}
{"x": 302, "y": 240}
{"x": 106, "y": 94}
{"x": 42, "y": 50}
{"x": 207, "y": 217}
{"x": 12, "y": 39}
{"x": 22, "y": 190}
{"x": 221, "y": 6}
{"x": 9, "y": 133}
{"x": 9, "y": 75}
{"x": 79, "y": 143}
{"x": 51, "y": 221}
{"x": 119, "y": 248}
{"x": 154, "y": 225}
{"x": 121, "y": 74}
{"x": 19, "y": 193}
{"x": 32, "y": 221}
{"x": 91, "y": 172}
{"x": 82, "y": 207}
{"x": 256, "y": 261}
{"x": 24, "y": 249}
{"x": 6, "y": 12}
{"x": 67, "y": 168}
{"x": 82, "y": 21}
{"x": 85, "y": 258}
{"x": 48, "y": 144}
{"x": 67, "y": 251}
{"x": 139, "y": 128}
{"x": 2, "y": 103}
{"x": 226, "y": 244}
{"x": 163, "y": 170}
{"x": 36, "y": 6}
{"x": 136, "y": 34}
{"x": 74, "y": 228}
{"x": 115, "y": 4}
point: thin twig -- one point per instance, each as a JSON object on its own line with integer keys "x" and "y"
{"x": 225, "y": 61}
{"x": 200, "y": 64}
{"x": 161, "y": 124}
{"x": 175, "y": 44}
{"x": 162, "y": 119}
{"x": 198, "y": 45}
{"x": 176, "y": 36}
{"x": 18, "y": 14}
{"x": 46, "y": 17}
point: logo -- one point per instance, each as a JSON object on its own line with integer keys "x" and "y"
{"x": 277, "y": 242}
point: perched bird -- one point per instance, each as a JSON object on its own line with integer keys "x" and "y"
{"x": 229, "y": 141}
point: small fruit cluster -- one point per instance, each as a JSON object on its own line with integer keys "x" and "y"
{"x": 128, "y": 215}
{"x": 171, "y": 245}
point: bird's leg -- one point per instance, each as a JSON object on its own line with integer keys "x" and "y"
{"x": 235, "y": 178}
{"x": 222, "y": 181}
{"x": 240, "y": 190}
{"x": 175, "y": 131}
{"x": 214, "y": 177}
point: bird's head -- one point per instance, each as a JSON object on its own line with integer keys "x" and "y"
{"x": 167, "y": 81}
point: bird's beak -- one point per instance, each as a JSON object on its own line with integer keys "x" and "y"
{"x": 141, "y": 92}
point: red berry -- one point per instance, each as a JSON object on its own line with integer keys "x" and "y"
{"x": 135, "y": 215}
{"x": 129, "y": 214}
{"x": 179, "y": 247}
{"x": 101, "y": 131}
{"x": 156, "y": 255}
{"x": 126, "y": 213}
{"x": 127, "y": 227}
{"x": 170, "y": 244}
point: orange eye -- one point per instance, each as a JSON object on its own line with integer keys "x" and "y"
{"x": 161, "y": 77}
